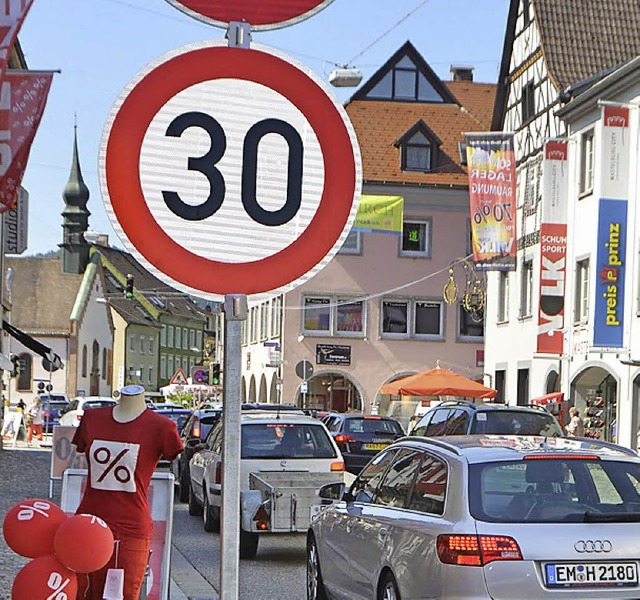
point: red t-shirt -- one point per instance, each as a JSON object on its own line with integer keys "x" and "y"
{"x": 122, "y": 458}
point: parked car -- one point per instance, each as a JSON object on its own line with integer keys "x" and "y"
{"x": 194, "y": 431}
{"x": 76, "y": 407}
{"x": 163, "y": 405}
{"x": 285, "y": 443}
{"x": 461, "y": 417}
{"x": 52, "y": 407}
{"x": 178, "y": 415}
{"x": 361, "y": 437}
{"x": 482, "y": 517}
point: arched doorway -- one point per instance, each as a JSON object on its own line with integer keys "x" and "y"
{"x": 252, "y": 389}
{"x": 263, "y": 389}
{"x": 594, "y": 391}
{"x": 244, "y": 390}
{"x": 273, "y": 394}
{"x": 553, "y": 383}
{"x": 330, "y": 392}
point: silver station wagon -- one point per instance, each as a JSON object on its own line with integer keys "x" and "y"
{"x": 482, "y": 517}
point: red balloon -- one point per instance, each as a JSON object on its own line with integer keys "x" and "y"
{"x": 30, "y": 526}
{"x": 84, "y": 543}
{"x": 44, "y": 577}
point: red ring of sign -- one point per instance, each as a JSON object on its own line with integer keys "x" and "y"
{"x": 127, "y": 199}
{"x": 258, "y": 13}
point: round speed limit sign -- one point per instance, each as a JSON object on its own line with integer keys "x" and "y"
{"x": 230, "y": 171}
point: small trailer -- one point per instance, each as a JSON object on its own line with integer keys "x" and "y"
{"x": 279, "y": 502}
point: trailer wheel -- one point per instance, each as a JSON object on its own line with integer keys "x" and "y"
{"x": 248, "y": 544}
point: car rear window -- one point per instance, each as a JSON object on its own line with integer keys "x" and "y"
{"x": 514, "y": 422}
{"x": 286, "y": 440}
{"x": 96, "y": 404}
{"x": 555, "y": 491}
{"x": 379, "y": 426}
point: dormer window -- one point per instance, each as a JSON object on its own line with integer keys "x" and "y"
{"x": 418, "y": 149}
{"x": 416, "y": 153}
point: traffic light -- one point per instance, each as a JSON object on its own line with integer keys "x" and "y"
{"x": 15, "y": 371}
{"x": 128, "y": 290}
{"x": 215, "y": 374}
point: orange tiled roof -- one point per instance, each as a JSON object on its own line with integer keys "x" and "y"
{"x": 379, "y": 124}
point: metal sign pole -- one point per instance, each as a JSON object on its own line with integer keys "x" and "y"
{"x": 235, "y": 311}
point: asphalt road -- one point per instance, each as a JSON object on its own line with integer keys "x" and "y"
{"x": 278, "y": 571}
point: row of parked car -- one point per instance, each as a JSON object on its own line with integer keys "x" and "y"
{"x": 481, "y": 501}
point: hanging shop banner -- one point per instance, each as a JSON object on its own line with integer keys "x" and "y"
{"x": 492, "y": 193}
{"x": 381, "y": 214}
{"x": 12, "y": 15}
{"x": 23, "y": 97}
{"x": 616, "y": 151}
{"x": 553, "y": 247}
{"x": 612, "y": 241}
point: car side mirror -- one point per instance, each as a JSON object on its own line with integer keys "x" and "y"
{"x": 193, "y": 442}
{"x": 332, "y": 491}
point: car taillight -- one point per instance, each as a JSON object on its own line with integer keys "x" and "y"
{"x": 337, "y": 466}
{"x": 196, "y": 429}
{"x": 476, "y": 550}
{"x": 78, "y": 417}
{"x": 562, "y": 457}
{"x": 342, "y": 438}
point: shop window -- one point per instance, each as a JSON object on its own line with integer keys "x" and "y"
{"x": 334, "y": 315}
{"x": 470, "y": 328}
{"x": 416, "y": 238}
{"x": 501, "y": 386}
{"x": 411, "y": 318}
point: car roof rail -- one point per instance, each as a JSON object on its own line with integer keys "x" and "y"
{"x": 537, "y": 406}
{"x": 459, "y": 402}
{"x": 433, "y": 441}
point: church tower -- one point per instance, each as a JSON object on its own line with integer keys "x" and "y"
{"x": 75, "y": 249}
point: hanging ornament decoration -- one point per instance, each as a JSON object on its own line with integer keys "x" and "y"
{"x": 450, "y": 293}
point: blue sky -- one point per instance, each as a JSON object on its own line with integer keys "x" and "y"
{"x": 99, "y": 45}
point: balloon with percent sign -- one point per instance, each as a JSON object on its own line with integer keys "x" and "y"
{"x": 44, "y": 577}
{"x": 30, "y": 526}
{"x": 95, "y": 550}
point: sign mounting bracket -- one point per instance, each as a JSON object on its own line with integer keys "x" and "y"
{"x": 239, "y": 34}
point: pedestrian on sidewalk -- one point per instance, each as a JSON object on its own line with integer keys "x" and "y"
{"x": 35, "y": 420}
{"x": 576, "y": 425}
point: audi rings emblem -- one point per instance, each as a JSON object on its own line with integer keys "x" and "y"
{"x": 593, "y": 546}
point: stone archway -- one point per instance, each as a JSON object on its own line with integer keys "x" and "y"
{"x": 331, "y": 391}
{"x": 553, "y": 382}
{"x": 244, "y": 389}
{"x": 263, "y": 397}
{"x": 273, "y": 393}
{"x": 594, "y": 391}
{"x": 252, "y": 389}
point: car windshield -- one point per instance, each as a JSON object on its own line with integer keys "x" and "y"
{"x": 556, "y": 490}
{"x": 286, "y": 440}
{"x": 507, "y": 422}
{"x": 373, "y": 425}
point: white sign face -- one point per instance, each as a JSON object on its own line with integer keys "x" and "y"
{"x": 230, "y": 171}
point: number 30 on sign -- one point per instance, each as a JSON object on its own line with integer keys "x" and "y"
{"x": 230, "y": 171}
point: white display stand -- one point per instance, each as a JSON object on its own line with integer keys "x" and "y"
{"x": 160, "y": 496}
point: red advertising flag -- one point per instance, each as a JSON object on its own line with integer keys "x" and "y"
{"x": 12, "y": 14}
{"x": 23, "y": 96}
{"x": 492, "y": 194}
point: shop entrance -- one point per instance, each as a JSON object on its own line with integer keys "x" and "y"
{"x": 330, "y": 392}
{"x": 595, "y": 393}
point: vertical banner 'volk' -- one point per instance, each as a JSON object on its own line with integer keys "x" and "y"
{"x": 23, "y": 96}
{"x": 553, "y": 248}
{"x": 608, "y": 329}
{"x": 492, "y": 193}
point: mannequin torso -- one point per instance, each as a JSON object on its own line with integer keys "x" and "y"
{"x": 129, "y": 408}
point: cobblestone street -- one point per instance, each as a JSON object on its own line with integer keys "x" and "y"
{"x": 25, "y": 474}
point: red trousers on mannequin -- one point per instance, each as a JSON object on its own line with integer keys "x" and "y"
{"x": 133, "y": 557}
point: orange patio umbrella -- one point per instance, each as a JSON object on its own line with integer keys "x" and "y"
{"x": 438, "y": 382}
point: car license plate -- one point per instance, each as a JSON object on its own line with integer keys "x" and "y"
{"x": 375, "y": 446}
{"x": 591, "y": 574}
